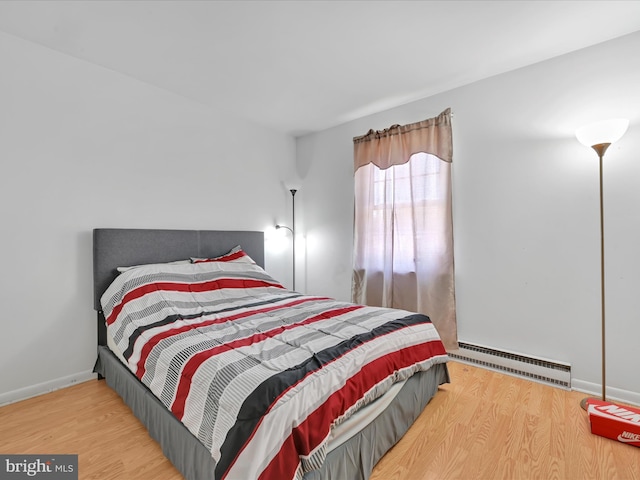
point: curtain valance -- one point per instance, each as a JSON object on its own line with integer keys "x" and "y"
{"x": 396, "y": 144}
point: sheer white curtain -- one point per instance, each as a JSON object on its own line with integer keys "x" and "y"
{"x": 403, "y": 239}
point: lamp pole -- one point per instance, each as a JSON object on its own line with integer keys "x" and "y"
{"x": 600, "y": 149}
{"x": 293, "y": 233}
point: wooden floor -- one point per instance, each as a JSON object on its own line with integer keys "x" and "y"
{"x": 483, "y": 425}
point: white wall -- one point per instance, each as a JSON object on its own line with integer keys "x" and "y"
{"x": 83, "y": 147}
{"x": 525, "y": 210}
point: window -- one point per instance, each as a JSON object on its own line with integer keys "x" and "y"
{"x": 408, "y": 203}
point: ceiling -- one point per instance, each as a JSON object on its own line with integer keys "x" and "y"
{"x": 303, "y": 66}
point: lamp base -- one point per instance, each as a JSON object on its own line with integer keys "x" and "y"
{"x": 583, "y": 402}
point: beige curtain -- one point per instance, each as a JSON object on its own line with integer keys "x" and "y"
{"x": 403, "y": 238}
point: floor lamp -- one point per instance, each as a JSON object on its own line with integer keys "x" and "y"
{"x": 600, "y": 136}
{"x": 293, "y": 232}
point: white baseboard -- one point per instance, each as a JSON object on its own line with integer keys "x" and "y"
{"x": 45, "y": 387}
{"x": 613, "y": 394}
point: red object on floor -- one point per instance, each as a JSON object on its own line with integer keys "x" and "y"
{"x": 621, "y": 423}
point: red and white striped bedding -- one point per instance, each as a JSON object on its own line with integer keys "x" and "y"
{"x": 258, "y": 373}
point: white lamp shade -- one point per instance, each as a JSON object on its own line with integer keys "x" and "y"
{"x": 607, "y": 131}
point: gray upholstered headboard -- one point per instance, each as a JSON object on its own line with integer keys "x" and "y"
{"x": 117, "y": 247}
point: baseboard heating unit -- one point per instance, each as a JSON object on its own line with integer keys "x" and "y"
{"x": 553, "y": 373}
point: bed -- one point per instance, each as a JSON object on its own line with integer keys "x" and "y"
{"x": 202, "y": 448}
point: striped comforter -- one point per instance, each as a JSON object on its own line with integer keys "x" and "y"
{"x": 257, "y": 372}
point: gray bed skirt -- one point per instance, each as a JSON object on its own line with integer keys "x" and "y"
{"x": 353, "y": 460}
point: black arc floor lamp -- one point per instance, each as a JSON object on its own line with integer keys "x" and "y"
{"x": 293, "y": 232}
{"x": 600, "y": 136}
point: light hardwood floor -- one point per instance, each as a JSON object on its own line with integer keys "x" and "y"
{"x": 483, "y": 425}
